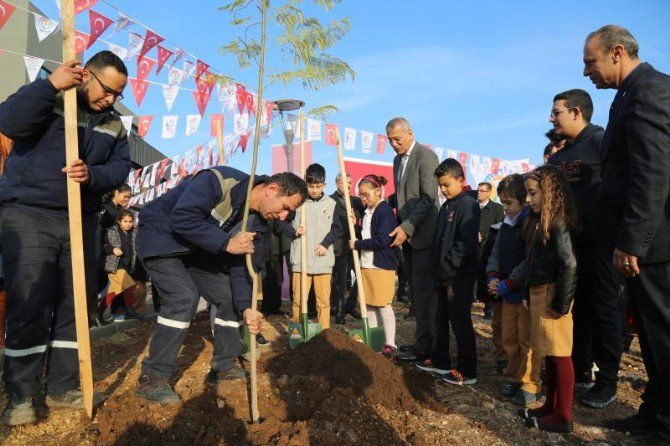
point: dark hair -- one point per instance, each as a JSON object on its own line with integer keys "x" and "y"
{"x": 577, "y": 98}
{"x": 121, "y": 188}
{"x": 373, "y": 180}
{"x": 289, "y": 184}
{"x": 513, "y": 185}
{"x": 553, "y": 137}
{"x": 487, "y": 184}
{"x": 449, "y": 167}
{"x": 547, "y": 149}
{"x": 105, "y": 59}
{"x": 124, "y": 213}
{"x": 315, "y": 173}
{"x": 612, "y": 35}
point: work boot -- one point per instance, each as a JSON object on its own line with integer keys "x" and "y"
{"x": 599, "y": 396}
{"x": 214, "y": 377}
{"x": 20, "y": 410}
{"x": 156, "y": 390}
{"x": 72, "y": 399}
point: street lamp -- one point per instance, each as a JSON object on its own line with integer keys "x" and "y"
{"x": 286, "y": 105}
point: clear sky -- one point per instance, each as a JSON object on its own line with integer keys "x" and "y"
{"x": 474, "y": 76}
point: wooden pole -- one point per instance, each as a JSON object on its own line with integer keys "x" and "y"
{"x": 219, "y": 141}
{"x": 74, "y": 208}
{"x": 303, "y": 238}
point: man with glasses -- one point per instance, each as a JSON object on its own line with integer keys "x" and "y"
{"x": 34, "y": 230}
{"x": 597, "y": 308}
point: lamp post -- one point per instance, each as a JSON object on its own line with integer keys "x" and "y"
{"x": 285, "y": 105}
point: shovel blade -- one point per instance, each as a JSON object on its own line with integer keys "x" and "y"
{"x": 297, "y": 336}
{"x": 375, "y": 341}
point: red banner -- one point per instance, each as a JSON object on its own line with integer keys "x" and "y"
{"x": 381, "y": 144}
{"x": 99, "y": 24}
{"x": 144, "y": 67}
{"x": 201, "y": 101}
{"x": 241, "y": 96}
{"x": 495, "y": 166}
{"x": 201, "y": 68}
{"x": 82, "y": 5}
{"x": 331, "y": 134}
{"x": 6, "y": 11}
{"x": 139, "y": 88}
{"x": 215, "y": 123}
{"x": 244, "y": 140}
{"x": 163, "y": 56}
{"x": 143, "y": 125}
{"x": 80, "y": 42}
{"x": 358, "y": 168}
{"x": 151, "y": 39}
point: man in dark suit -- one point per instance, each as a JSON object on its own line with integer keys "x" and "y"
{"x": 635, "y": 206}
{"x": 415, "y": 199}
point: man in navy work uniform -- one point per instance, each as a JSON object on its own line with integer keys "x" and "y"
{"x": 34, "y": 229}
{"x": 190, "y": 243}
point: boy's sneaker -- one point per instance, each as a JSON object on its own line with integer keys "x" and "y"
{"x": 427, "y": 365}
{"x": 389, "y": 351}
{"x": 72, "y": 399}
{"x": 214, "y": 377}
{"x": 599, "y": 397}
{"x": 523, "y": 398}
{"x": 119, "y": 317}
{"x": 509, "y": 389}
{"x": 156, "y": 390}
{"x": 20, "y": 410}
{"x": 583, "y": 381}
{"x": 456, "y": 378}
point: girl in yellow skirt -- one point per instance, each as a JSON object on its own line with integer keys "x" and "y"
{"x": 551, "y": 272}
{"x": 378, "y": 260}
{"x": 120, "y": 262}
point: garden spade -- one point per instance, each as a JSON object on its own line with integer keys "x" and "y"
{"x": 303, "y": 331}
{"x": 372, "y": 337}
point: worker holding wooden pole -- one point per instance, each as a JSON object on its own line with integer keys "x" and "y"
{"x": 47, "y": 223}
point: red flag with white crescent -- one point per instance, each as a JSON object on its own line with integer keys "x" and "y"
{"x": 144, "y": 67}
{"x": 244, "y": 140}
{"x": 139, "y": 87}
{"x": 151, "y": 39}
{"x": 201, "y": 68}
{"x": 143, "y": 126}
{"x": 201, "y": 100}
{"x": 83, "y": 5}
{"x": 241, "y": 97}
{"x": 6, "y": 11}
{"x": 381, "y": 144}
{"x": 163, "y": 56}
{"x": 215, "y": 123}
{"x": 80, "y": 42}
{"x": 331, "y": 134}
{"x": 249, "y": 101}
{"x": 99, "y": 24}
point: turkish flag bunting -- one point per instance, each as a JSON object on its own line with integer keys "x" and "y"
{"x": 80, "y": 42}
{"x": 144, "y": 67}
{"x": 151, "y": 39}
{"x": 495, "y": 166}
{"x": 201, "y": 68}
{"x": 82, "y": 5}
{"x": 143, "y": 126}
{"x": 163, "y": 56}
{"x": 250, "y": 103}
{"x": 241, "y": 96}
{"x": 244, "y": 140}
{"x": 139, "y": 87}
{"x": 6, "y": 11}
{"x": 381, "y": 144}
{"x": 331, "y": 134}
{"x": 201, "y": 100}
{"x": 99, "y": 24}
{"x": 216, "y": 123}
{"x": 204, "y": 85}
{"x": 161, "y": 169}
{"x": 269, "y": 108}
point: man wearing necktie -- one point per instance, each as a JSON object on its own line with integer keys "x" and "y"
{"x": 635, "y": 206}
{"x": 415, "y": 200}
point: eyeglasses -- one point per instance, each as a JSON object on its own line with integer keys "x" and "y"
{"x": 117, "y": 96}
{"x": 555, "y": 113}
{"x": 483, "y": 191}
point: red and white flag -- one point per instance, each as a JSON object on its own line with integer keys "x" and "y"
{"x": 192, "y": 124}
{"x": 80, "y": 42}
{"x": 244, "y": 140}
{"x": 144, "y": 67}
{"x": 175, "y": 76}
{"x": 135, "y": 43}
{"x": 202, "y": 67}
{"x": 241, "y": 97}
{"x": 43, "y": 26}
{"x": 201, "y": 100}
{"x": 139, "y": 87}
{"x": 495, "y": 165}
{"x": 83, "y": 5}
{"x": 151, "y": 39}
{"x": 163, "y": 56}
{"x": 215, "y": 123}
{"x": 250, "y": 103}
{"x": 143, "y": 125}
{"x": 331, "y": 134}
{"x": 381, "y": 144}
{"x": 6, "y": 11}
{"x": 99, "y": 24}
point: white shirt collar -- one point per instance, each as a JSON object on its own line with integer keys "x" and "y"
{"x": 511, "y": 221}
{"x": 482, "y": 205}
{"x": 409, "y": 151}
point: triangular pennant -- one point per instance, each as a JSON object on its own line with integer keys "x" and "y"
{"x": 178, "y": 56}
{"x": 192, "y": 124}
{"x": 127, "y": 122}
{"x": 170, "y": 94}
{"x": 240, "y": 123}
{"x": 241, "y": 97}
{"x": 215, "y": 123}
{"x": 144, "y": 67}
{"x": 202, "y": 67}
{"x": 201, "y": 100}
{"x": 151, "y": 39}
{"x": 163, "y": 56}
{"x": 33, "y": 65}
{"x": 175, "y": 76}
{"x": 250, "y": 103}
{"x": 226, "y": 96}
{"x": 381, "y": 144}
{"x": 6, "y": 11}
{"x": 135, "y": 43}
{"x": 189, "y": 68}
{"x": 169, "y": 126}
{"x": 244, "y": 140}
{"x": 99, "y": 24}
{"x": 203, "y": 86}
{"x": 139, "y": 88}
{"x": 143, "y": 125}
{"x": 331, "y": 134}
{"x": 43, "y": 26}
{"x": 118, "y": 50}
{"x": 349, "y": 138}
{"x": 83, "y": 5}
{"x": 80, "y": 42}
{"x": 121, "y": 23}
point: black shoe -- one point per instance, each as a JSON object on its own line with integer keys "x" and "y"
{"x": 406, "y": 348}
{"x": 636, "y": 424}
{"x": 20, "y": 410}
{"x": 509, "y": 389}
{"x": 156, "y": 390}
{"x": 340, "y": 320}
{"x": 583, "y": 381}
{"x": 598, "y": 397}
{"x": 407, "y": 356}
{"x": 354, "y": 313}
{"x": 214, "y": 377}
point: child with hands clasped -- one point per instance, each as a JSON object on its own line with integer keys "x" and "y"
{"x": 506, "y": 275}
{"x": 551, "y": 272}
{"x": 378, "y": 260}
